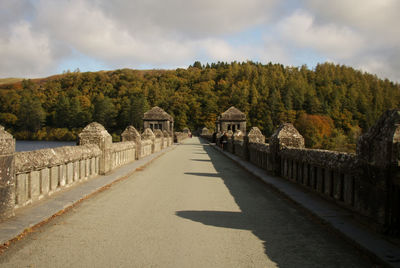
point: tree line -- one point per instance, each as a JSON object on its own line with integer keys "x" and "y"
{"x": 331, "y": 105}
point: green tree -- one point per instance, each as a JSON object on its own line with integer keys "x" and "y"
{"x": 31, "y": 115}
{"x": 104, "y": 111}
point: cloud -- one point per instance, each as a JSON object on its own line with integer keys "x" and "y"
{"x": 37, "y": 37}
{"x": 329, "y": 39}
{"x": 24, "y": 51}
{"x": 376, "y": 21}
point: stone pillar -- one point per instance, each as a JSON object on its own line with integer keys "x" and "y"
{"x": 7, "y": 174}
{"x": 131, "y": 134}
{"x": 159, "y": 135}
{"x": 149, "y": 135}
{"x": 255, "y": 136}
{"x": 285, "y": 136}
{"x": 95, "y": 133}
{"x": 378, "y": 186}
{"x": 166, "y": 136}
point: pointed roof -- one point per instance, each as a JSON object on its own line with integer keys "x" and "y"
{"x": 232, "y": 114}
{"x": 156, "y": 113}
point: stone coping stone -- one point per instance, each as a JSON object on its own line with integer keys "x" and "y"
{"x": 39, "y": 159}
{"x": 122, "y": 146}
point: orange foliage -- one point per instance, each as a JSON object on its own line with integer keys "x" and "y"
{"x": 314, "y": 128}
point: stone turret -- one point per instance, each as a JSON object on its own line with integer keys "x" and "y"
{"x": 157, "y": 118}
{"x": 95, "y": 133}
{"x": 232, "y": 119}
{"x": 7, "y": 174}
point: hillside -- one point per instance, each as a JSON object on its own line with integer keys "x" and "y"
{"x": 330, "y": 104}
{"x": 4, "y": 81}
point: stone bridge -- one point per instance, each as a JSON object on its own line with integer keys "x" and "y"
{"x": 155, "y": 203}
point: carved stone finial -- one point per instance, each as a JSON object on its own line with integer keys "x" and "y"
{"x": 95, "y": 133}
{"x": 148, "y": 134}
{"x": 131, "y": 134}
{"x": 7, "y": 142}
{"x": 287, "y": 135}
{"x": 158, "y": 133}
{"x": 166, "y": 134}
{"x": 255, "y": 135}
{"x": 380, "y": 146}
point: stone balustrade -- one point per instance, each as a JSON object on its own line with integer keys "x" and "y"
{"x": 366, "y": 183}
{"x": 180, "y": 136}
{"x": 42, "y": 172}
{"x": 122, "y": 153}
{"x": 26, "y": 177}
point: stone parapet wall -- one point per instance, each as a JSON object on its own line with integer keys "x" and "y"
{"x": 180, "y": 136}
{"x": 36, "y": 160}
{"x": 42, "y": 172}
{"x": 366, "y": 183}
{"x": 146, "y": 148}
{"x": 26, "y": 177}
{"x": 340, "y": 161}
{"x": 158, "y": 143}
{"x": 122, "y": 153}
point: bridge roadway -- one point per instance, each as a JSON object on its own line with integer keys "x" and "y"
{"x": 192, "y": 207}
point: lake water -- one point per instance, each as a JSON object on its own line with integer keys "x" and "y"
{"x": 21, "y": 146}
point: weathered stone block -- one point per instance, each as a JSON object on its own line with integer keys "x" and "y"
{"x": 35, "y": 185}
{"x": 348, "y": 189}
{"x": 70, "y": 173}
{"x": 76, "y": 171}
{"x": 63, "y": 175}
{"x": 45, "y": 181}
{"x": 54, "y": 173}
{"x": 7, "y": 201}
{"x": 87, "y": 168}
{"x": 328, "y": 191}
{"x": 94, "y": 133}
{"x": 82, "y": 169}
{"x": 6, "y": 169}
{"x": 320, "y": 180}
{"x": 338, "y": 186}
{"x": 313, "y": 177}
{"x": 22, "y": 189}
{"x": 7, "y": 174}
{"x": 93, "y": 166}
{"x": 306, "y": 175}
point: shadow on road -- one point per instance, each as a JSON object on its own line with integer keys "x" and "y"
{"x": 201, "y": 160}
{"x": 289, "y": 238}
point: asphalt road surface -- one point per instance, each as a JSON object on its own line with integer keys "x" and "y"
{"x": 192, "y": 207}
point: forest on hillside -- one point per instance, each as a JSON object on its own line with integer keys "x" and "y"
{"x": 331, "y": 105}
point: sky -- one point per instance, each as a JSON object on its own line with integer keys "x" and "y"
{"x": 39, "y": 38}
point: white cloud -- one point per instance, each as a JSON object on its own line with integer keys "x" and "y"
{"x": 24, "y": 51}
{"x": 376, "y": 21}
{"x": 329, "y": 39}
{"x": 36, "y": 36}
